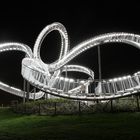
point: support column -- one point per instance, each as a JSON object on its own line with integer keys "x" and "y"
{"x": 99, "y": 63}
{"x": 34, "y": 92}
{"x": 111, "y": 105}
{"x": 66, "y": 75}
{"x": 138, "y": 106}
{"x": 24, "y": 89}
{"x": 79, "y": 108}
{"x": 46, "y": 96}
{"x": 28, "y": 90}
{"x": 86, "y": 88}
{"x": 98, "y": 89}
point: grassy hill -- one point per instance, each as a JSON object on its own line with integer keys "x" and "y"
{"x": 103, "y": 126}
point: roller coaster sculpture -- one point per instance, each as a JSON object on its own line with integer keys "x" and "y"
{"x": 48, "y": 77}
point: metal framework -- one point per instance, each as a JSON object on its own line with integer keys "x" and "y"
{"x": 48, "y": 77}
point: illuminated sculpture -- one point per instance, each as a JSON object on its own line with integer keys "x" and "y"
{"x": 48, "y": 77}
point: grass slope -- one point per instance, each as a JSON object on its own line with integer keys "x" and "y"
{"x": 85, "y": 127}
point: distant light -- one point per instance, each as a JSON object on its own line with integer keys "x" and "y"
{"x": 61, "y": 78}
{"x": 82, "y": 81}
{"x": 71, "y": 80}
{"x": 120, "y": 78}
{"x": 66, "y": 79}
{"x": 128, "y": 76}
{"x": 110, "y": 80}
{"x": 115, "y": 79}
{"x": 125, "y": 77}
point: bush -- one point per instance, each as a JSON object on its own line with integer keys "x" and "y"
{"x": 64, "y": 106}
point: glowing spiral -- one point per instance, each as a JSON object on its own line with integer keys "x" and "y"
{"x": 48, "y": 77}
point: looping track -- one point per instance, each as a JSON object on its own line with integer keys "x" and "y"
{"x": 48, "y": 77}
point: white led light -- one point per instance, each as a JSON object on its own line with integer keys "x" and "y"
{"x": 71, "y": 80}
{"x": 128, "y": 76}
{"x": 115, "y": 79}
{"x": 110, "y": 80}
{"x": 119, "y": 78}
{"x": 61, "y": 78}
{"x": 66, "y": 79}
{"x": 125, "y": 77}
{"x": 82, "y": 82}
{"x": 46, "y": 76}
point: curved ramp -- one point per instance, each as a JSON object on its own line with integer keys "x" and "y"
{"x": 48, "y": 77}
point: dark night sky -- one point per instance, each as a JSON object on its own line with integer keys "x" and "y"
{"x": 23, "y": 22}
